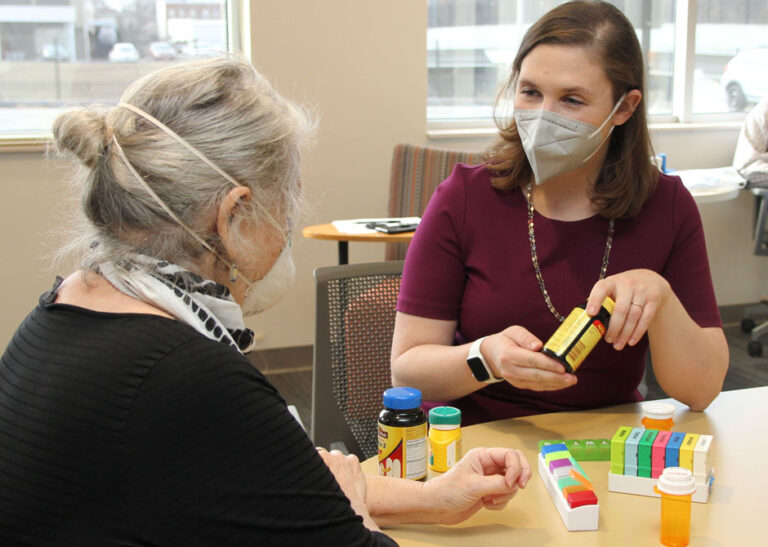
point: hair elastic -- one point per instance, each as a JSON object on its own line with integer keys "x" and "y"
{"x": 202, "y": 157}
{"x": 170, "y": 213}
{"x": 178, "y": 138}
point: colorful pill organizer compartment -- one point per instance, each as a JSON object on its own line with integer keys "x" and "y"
{"x": 638, "y": 457}
{"x": 569, "y": 487}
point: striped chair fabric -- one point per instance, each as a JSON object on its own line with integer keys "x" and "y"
{"x": 416, "y": 172}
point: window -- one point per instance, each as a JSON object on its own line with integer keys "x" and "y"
{"x": 60, "y": 53}
{"x": 731, "y": 68}
{"x": 471, "y": 44}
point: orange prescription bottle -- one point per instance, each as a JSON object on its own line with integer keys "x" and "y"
{"x": 676, "y": 486}
{"x": 657, "y": 415}
{"x": 444, "y": 438}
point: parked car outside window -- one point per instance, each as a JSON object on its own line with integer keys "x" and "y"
{"x": 201, "y": 49}
{"x": 124, "y": 52}
{"x": 745, "y": 78}
{"x": 55, "y": 52}
{"x": 162, "y": 51}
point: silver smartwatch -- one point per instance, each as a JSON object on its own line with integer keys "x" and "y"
{"x": 480, "y": 369}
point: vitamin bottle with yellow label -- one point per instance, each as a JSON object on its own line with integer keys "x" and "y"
{"x": 578, "y": 334}
{"x": 403, "y": 435}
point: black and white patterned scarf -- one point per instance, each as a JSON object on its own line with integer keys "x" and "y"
{"x": 204, "y": 305}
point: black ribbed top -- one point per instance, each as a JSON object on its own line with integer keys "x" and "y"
{"x": 131, "y": 429}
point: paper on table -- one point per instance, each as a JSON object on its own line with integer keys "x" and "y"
{"x": 709, "y": 179}
{"x": 357, "y": 225}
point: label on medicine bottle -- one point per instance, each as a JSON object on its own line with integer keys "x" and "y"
{"x": 403, "y": 451}
{"x": 578, "y": 334}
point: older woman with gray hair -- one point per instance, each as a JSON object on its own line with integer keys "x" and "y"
{"x": 129, "y": 414}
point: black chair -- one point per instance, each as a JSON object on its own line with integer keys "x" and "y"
{"x": 355, "y": 318}
{"x": 755, "y": 346}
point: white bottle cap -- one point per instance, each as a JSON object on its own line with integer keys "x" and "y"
{"x": 658, "y": 410}
{"x": 677, "y": 481}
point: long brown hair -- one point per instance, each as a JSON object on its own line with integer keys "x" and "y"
{"x": 627, "y": 177}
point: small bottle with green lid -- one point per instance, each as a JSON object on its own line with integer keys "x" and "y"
{"x": 444, "y": 438}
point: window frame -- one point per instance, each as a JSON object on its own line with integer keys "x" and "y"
{"x": 682, "y": 116}
{"x": 237, "y": 14}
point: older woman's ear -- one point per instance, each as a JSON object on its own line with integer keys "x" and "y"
{"x": 226, "y": 212}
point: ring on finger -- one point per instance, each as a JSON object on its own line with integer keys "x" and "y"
{"x": 636, "y": 304}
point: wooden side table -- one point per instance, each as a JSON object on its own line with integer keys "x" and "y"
{"x": 329, "y": 232}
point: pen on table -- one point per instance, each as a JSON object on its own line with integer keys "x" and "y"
{"x": 378, "y": 221}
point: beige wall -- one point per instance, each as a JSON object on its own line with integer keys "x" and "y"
{"x": 361, "y": 67}
{"x": 27, "y": 210}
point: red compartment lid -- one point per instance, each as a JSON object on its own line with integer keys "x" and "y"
{"x": 583, "y": 497}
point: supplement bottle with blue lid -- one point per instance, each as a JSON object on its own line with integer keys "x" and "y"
{"x": 403, "y": 435}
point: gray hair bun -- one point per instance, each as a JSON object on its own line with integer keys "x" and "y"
{"x": 82, "y": 133}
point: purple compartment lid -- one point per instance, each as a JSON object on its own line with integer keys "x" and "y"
{"x": 554, "y": 464}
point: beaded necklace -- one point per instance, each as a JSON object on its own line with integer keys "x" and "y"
{"x": 535, "y": 259}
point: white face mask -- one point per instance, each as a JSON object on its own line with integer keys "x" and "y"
{"x": 270, "y": 289}
{"x": 555, "y": 144}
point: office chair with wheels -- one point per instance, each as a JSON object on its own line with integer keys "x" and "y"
{"x": 355, "y": 319}
{"x": 758, "y": 331}
{"x": 751, "y": 161}
{"x": 416, "y": 172}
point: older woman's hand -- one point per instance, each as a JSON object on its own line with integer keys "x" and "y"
{"x": 514, "y": 354}
{"x": 638, "y": 295}
{"x": 484, "y": 477}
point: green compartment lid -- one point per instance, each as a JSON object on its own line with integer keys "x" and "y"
{"x": 445, "y": 415}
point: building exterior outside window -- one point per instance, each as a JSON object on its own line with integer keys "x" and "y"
{"x": 471, "y": 43}
{"x": 59, "y": 53}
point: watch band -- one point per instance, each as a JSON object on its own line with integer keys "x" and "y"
{"x": 480, "y": 369}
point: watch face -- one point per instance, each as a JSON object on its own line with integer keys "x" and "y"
{"x": 478, "y": 369}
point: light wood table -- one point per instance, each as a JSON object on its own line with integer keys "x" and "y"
{"x": 329, "y": 232}
{"x": 733, "y": 515}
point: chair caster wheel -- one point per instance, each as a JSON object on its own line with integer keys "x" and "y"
{"x": 747, "y": 325}
{"x": 754, "y": 348}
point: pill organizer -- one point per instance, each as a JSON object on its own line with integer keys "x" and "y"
{"x": 639, "y": 456}
{"x": 569, "y": 487}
